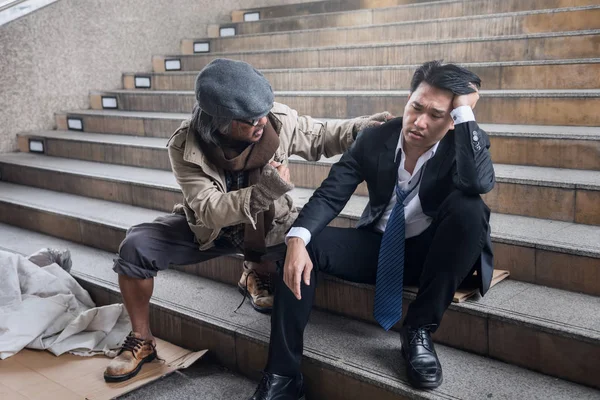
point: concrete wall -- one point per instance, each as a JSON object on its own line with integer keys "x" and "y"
{"x": 50, "y": 59}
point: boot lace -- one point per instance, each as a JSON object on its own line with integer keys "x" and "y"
{"x": 132, "y": 344}
{"x": 262, "y": 283}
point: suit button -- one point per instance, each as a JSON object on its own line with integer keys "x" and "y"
{"x": 475, "y": 138}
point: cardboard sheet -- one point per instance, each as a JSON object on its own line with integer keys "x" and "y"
{"x": 32, "y": 375}
{"x": 471, "y": 288}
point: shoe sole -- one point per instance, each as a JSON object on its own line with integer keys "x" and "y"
{"x": 122, "y": 378}
{"x": 262, "y": 310}
{"x": 418, "y": 384}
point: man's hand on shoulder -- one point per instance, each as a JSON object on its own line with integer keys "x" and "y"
{"x": 298, "y": 266}
{"x": 466, "y": 99}
{"x": 371, "y": 121}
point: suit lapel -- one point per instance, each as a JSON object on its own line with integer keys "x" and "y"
{"x": 387, "y": 167}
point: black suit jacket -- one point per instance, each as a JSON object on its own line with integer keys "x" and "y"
{"x": 462, "y": 162}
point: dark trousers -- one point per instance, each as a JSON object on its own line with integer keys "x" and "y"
{"x": 168, "y": 240}
{"x": 437, "y": 261}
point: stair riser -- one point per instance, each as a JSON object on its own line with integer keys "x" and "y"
{"x": 542, "y": 152}
{"x": 151, "y": 127}
{"x": 567, "y": 76}
{"x": 563, "y": 204}
{"x": 540, "y": 48}
{"x": 242, "y": 353}
{"x": 476, "y": 333}
{"x": 156, "y": 158}
{"x": 573, "y": 111}
{"x": 319, "y": 7}
{"x": 560, "y": 204}
{"x": 563, "y": 153}
{"x": 73, "y": 229}
{"x": 432, "y": 30}
{"x": 414, "y": 13}
{"x": 118, "y": 191}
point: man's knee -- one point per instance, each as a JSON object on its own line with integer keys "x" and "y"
{"x": 129, "y": 249}
{"x": 133, "y": 261}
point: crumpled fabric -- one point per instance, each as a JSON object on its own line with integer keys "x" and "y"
{"x": 44, "y": 308}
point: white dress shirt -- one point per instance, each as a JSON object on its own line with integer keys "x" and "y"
{"x": 416, "y": 220}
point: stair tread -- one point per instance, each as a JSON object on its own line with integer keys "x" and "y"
{"x": 211, "y": 380}
{"x": 534, "y": 131}
{"x": 357, "y": 348}
{"x": 129, "y": 114}
{"x": 399, "y": 43}
{"x": 402, "y": 93}
{"x": 409, "y": 22}
{"x": 394, "y": 67}
{"x": 531, "y": 175}
{"x": 113, "y": 172}
{"x": 553, "y": 235}
{"x": 106, "y": 138}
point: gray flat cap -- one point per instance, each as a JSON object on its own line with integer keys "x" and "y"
{"x": 233, "y": 89}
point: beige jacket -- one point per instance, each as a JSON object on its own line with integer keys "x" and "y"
{"x": 207, "y": 204}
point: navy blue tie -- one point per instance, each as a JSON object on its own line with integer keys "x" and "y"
{"x": 390, "y": 267}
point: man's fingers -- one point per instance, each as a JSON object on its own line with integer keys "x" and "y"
{"x": 306, "y": 273}
{"x": 297, "y": 280}
{"x": 275, "y": 164}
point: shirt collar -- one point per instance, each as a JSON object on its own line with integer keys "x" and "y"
{"x": 427, "y": 155}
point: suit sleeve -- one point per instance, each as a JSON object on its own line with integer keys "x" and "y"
{"x": 331, "y": 197}
{"x": 474, "y": 172}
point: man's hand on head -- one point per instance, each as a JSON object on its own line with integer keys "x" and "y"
{"x": 298, "y": 266}
{"x": 466, "y": 99}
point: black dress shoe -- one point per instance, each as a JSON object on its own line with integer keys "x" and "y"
{"x": 277, "y": 387}
{"x": 422, "y": 365}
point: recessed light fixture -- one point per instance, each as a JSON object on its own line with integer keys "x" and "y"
{"x": 173, "y": 64}
{"x": 251, "y": 16}
{"x": 74, "y": 124}
{"x": 109, "y": 102}
{"x": 201, "y": 47}
{"x": 225, "y": 32}
{"x": 142, "y": 82}
{"x": 36, "y": 146}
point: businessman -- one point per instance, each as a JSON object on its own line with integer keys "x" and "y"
{"x": 425, "y": 225}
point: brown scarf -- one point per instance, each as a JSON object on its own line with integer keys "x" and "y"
{"x": 251, "y": 159}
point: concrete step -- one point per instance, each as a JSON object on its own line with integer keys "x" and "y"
{"x": 536, "y": 325}
{"x": 515, "y": 23}
{"x": 318, "y": 7}
{"x": 545, "y": 74}
{"x": 157, "y": 124}
{"x": 539, "y": 46}
{"x": 409, "y": 12}
{"x": 543, "y": 107}
{"x": 536, "y": 145}
{"x": 135, "y": 151}
{"x": 206, "y": 378}
{"x": 550, "y": 193}
{"x": 520, "y": 243}
{"x": 140, "y": 187}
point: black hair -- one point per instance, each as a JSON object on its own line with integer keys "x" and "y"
{"x": 449, "y": 77}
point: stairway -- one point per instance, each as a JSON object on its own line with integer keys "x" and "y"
{"x": 536, "y": 335}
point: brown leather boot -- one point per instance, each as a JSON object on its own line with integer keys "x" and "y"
{"x": 258, "y": 287}
{"x": 134, "y": 353}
